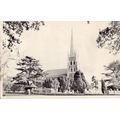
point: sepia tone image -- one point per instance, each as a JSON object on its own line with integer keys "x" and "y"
{"x": 60, "y": 58}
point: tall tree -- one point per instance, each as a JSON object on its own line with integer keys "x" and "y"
{"x": 30, "y": 70}
{"x": 79, "y": 83}
{"x": 12, "y": 30}
{"x": 62, "y": 84}
{"x": 110, "y": 37}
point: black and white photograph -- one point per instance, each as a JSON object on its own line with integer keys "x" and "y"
{"x": 60, "y": 58}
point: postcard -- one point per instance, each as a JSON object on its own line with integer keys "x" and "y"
{"x": 59, "y": 58}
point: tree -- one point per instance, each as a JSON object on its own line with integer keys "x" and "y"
{"x": 94, "y": 82}
{"x": 14, "y": 29}
{"x": 62, "y": 84}
{"x": 30, "y": 69}
{"x": 7, "y": 86}
{"x": 79, "y": 83}
{"x": 47, "y": 83}
{"x": 103, "y": 87}
{"x": 55, "y": 84}
{"x": 113, "y": 72}
{"x": 110, "y": 37}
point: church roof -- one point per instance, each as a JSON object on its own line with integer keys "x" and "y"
{"x": 56, "y": 72}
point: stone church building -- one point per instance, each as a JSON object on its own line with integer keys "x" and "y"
{"x": 71, "y": 67}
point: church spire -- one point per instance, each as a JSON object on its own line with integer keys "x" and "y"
{"x": 72, "y": 63}
{"x": 72, "y": 47}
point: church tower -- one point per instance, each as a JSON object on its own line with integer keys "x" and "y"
{"x": 72, "y": 63}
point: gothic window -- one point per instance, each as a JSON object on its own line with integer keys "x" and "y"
{"x": 71, "y": 69}
{"x": 71, "y": 63}
{"x": 74, "y": 62}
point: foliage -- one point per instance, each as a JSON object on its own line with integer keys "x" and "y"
{"x": 38, "y": 84}
{"x": 16, "y": 87}
{"x": 55, "y": 84}
{"x": 79, "y": 83}
{"x": 113, "y": 72}
{"x": 14, "y": 29}
{"x": 110, "y": 37}
{"x": 62, "y": 85}
{"x": 47, "y": 84}
{"x": 30, "y": 69}
{"x": 7, "y": 86}
{"x": 94, "y": 82}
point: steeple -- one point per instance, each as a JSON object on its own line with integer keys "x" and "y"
{"x": 72, "y": 63}
{"x": 72, "y": 53}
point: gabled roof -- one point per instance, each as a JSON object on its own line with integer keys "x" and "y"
{"x": 56, "y": 72}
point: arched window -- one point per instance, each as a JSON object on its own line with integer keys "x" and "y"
{"x": 71, "y": 63}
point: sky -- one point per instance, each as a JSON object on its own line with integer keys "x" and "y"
{"x": 51, "y": 45}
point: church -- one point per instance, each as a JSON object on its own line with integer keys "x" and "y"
{"x": 71, "y": 66}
